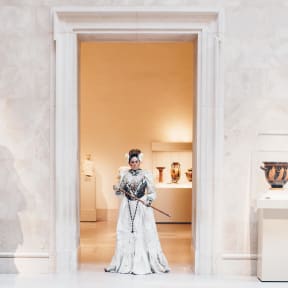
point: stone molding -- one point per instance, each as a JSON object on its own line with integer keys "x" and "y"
{"x": 73, "y": 24}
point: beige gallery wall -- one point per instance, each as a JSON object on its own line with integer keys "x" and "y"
{"x": 132, "y": 94}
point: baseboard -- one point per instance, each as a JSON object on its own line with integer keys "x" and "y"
{"x": 238, "y": 256}
{"x": 240, "y": 264}
{"x": 107, "y": 214}
{"x": 87, "y": 215}
{"x": 14, "y": 263}
{"x": 159, "y": 222}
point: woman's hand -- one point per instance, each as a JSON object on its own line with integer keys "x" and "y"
{"x": 149, "y": 202}
{"x": 116, "y": 189}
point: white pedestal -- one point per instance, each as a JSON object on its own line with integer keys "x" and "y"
{"x": 87, "y": 198}
{"x": 272, "y": 262}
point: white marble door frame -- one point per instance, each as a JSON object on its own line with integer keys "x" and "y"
{"x": 74, "y": 24}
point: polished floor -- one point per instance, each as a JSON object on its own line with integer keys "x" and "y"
{"x": 98, "y": 242}
{"x": 96, "y": 278}
{"x": 97, "y": 247}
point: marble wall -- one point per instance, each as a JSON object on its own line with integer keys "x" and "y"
{"x": 255, "y": 50}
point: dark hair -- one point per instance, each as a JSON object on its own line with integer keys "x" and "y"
{"x": 134, "y": 153}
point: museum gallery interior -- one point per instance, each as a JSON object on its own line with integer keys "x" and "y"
{"x": 200, "y": 88}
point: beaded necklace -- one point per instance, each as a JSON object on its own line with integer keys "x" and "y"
{"x": 132, "y": 217}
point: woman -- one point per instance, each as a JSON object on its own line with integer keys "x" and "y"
{"x": 138, "y": 250}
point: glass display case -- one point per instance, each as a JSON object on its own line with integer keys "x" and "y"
{"x": 172, "y": 157}
{"x": 172, "y": 171}
{"x": 269, "y": 198}
{"x": 258, "y": 182}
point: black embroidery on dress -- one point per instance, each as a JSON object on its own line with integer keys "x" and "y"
{"x": 137, "y": 187}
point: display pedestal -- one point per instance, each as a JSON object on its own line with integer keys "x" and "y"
{"x": 175, "y": 199}
{"x": 87, "y": 198}
{"x": 272, "y": 262}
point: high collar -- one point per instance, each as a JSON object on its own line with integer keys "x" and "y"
{"x": 135, "y": 172}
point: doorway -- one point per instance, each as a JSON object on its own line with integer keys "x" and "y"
{"x": 131, "y": 95}
{"x": 72, "y": 24}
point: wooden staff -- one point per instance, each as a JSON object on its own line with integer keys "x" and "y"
{"x": 136, "y": 198}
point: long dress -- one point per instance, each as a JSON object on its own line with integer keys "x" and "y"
{"x": 138, "y": 249}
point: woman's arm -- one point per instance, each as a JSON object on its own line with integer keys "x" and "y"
{"x": 120, "y": 184}
{"x": 151, "y": 190}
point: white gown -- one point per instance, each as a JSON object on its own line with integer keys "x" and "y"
{"x": 138, "y": 250}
